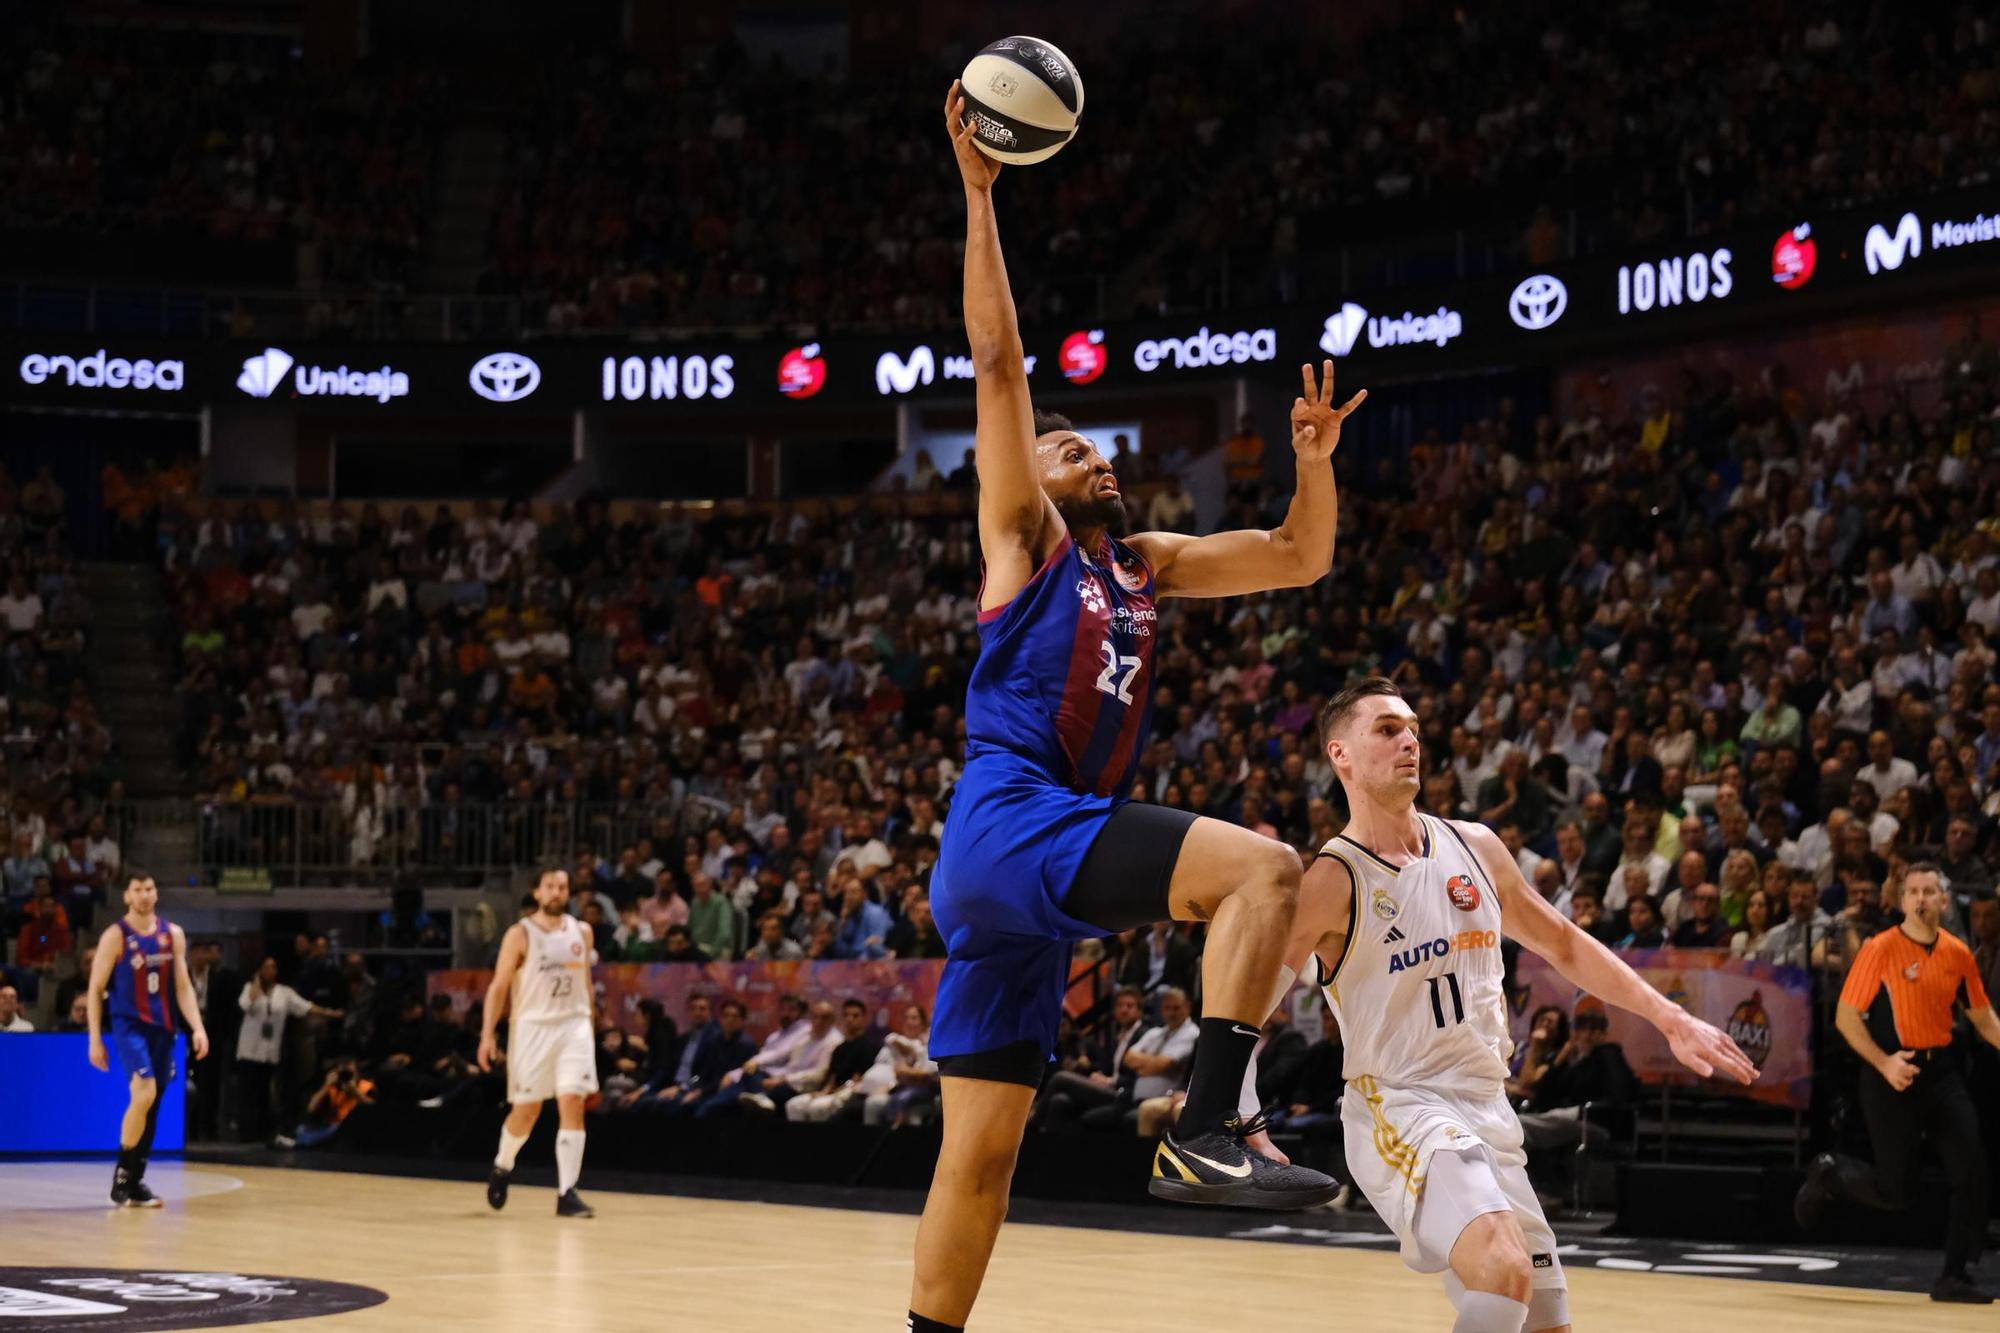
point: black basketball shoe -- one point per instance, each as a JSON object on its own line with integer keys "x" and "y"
{"x": 138, "y": 1196}
{"x": 496, "y": 1188}
{"x": 1218, "y": 1168}
{"x": 1809, "y": 1204}
{"x": 1959, "y": 1289}
{"x": 570, "y": 1204}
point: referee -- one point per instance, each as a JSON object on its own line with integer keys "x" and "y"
{"x": 1896, "y": 1012}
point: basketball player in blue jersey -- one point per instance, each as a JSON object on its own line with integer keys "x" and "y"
{"x": 1040, "y": 848}
{"x": 142, "y": 960}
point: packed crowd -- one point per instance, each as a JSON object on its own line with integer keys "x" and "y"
{"x": 145, "y": 133}
{"x": 56, "y": 773}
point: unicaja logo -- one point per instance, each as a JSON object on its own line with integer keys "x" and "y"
{"x": 1886, "y": 250}
{"x": 1342, "y": 329}
{"x": 263, "y": 373}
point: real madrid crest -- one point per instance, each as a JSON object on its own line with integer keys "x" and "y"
{"x": 1385, "y": 906}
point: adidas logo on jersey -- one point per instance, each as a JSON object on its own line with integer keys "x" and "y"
{"x": 1395, "y": 936}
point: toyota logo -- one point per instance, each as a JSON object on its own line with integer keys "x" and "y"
{"x": 1538, "y": 301}
{"x": 505, "y": 377}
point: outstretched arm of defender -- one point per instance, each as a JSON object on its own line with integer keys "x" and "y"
{"x": 512, "y": 950}
{"x": 1296, "y": 552}
{"x": 1526, "y": 916}
{"x": 1015, "y": 516}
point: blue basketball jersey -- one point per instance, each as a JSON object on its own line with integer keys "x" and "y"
{"x": 142, "y": 985}
{"x": 1065, "y": 670}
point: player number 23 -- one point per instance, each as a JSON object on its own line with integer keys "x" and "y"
{"x": 561, "y": 985}
{"x": 1116, "y": 678}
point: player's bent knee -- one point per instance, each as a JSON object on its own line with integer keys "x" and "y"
{"x": 144, "y": 1090}
{"x": 1548, "y": 1309}
{"x": 1489, "y": 1257}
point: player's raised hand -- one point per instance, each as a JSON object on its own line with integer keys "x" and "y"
{"x": 1707, "y": 1050}
{"x": 1315, "y": 420}
{"x": 978, "y": 170}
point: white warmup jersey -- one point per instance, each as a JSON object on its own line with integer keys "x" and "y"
{"x": 551, "y": 1048}
{"x": 1423, "y": 1023}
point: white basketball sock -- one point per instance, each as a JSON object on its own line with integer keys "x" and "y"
{"x": 569, "y": 1160}
{"x": 1489, "y": 1312}
{"x": 510, "y": 1148}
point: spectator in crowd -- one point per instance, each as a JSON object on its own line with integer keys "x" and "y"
{"x": 1704, "y": 928}
{"x": 1590, "y": 1068}
{"x": 1157, "y": 959}
{"x": 268, "y": 1005}
{"x": 915, "y": 935}
{"x": 680, "y": 947}
{"x": 1644, "y": 928}
{"x": 1159, "y": 1061}
{"x": 839, "y": 1093}
{"x": 77, "y": 1017}
{"x": 1757, "y": 925}
{"x": 903, "y": 1081}
{"x": 1985, "y": 941}
{"x": 1311, "y": 1107}
{"x": 862, "y": 925}
{"x": 708, "y": 1052}
{"x": 773, "y": 945}
{"x": 43, "y": 942}
{"x": 1102, "y": 1077}
{"x": 784, "y": 1071}
{"x": 10, "y": 1011}
{"x": 1802, "y": 939}
{"x": 1548, "y": 1037}
{"x": 711, "y": 920}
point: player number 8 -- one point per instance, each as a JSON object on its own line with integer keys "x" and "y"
{"x": 152, "y": 983}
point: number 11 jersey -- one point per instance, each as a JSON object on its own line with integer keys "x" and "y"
{"x": 1418, "y": 988}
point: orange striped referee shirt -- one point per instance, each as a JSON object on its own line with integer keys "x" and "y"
{"x": 1921, "y": 985}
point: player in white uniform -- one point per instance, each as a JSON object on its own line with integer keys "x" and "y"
{"x": 543, "y": 981}
{"x": 1402, "y": 916}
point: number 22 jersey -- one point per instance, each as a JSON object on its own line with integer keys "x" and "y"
{"x": 1065, "y": 670}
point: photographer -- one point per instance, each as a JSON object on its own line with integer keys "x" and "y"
{"x": 343, "y": 1090}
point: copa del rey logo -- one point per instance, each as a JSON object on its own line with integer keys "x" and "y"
{"x": 802, "y": 372}
{"x": 264, "y": 374}
{"x": 1083, "y": 357}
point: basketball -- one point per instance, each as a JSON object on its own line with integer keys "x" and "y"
{"x": 1026, "y": 97}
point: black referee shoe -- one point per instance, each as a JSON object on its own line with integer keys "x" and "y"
{"x": 1217, "y": 1168}
{"x": 496, "y": 1188}
{"x": 1810, "y": 1203}
{"x": 1959, "y": 1289}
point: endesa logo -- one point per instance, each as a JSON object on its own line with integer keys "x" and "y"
{"x": 640, "y": 379}
{"x": 1083, "y": 357}
{"x": 1794, "y": 258}
{"x": 1343, "y": 329}
{"x": 264, "y": 374}
{"x": 801, "y": 372}
{"x": 1202, "y": 348}
{"x": 1676, "y": 280}
{"x": 101, "y": 370}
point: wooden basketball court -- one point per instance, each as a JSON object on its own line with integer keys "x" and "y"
{"x": 649, "y": 1262}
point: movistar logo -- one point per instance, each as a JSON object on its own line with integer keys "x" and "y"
{"x": 1884, "y": 250}
{"x": 264, "y": 373}
{"x": 895, "y": 375}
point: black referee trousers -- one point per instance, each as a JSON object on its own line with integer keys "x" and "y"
{"x": 1937, "y": 1105}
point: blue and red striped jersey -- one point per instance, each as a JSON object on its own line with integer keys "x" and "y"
{"x": 1065, "y": 670}
{"x": 142, "y": 985}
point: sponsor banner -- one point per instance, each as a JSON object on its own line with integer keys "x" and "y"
{"x": 75, "y": 1108}
{"x": 1768, "y": 1010}
{"x": 129, "y": 1300}
{"x": 619, "y": 987}
{"x": 1781, "y": 275}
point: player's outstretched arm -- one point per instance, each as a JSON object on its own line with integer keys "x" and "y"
{"x": 1528, "y": 917}
{"x": 1296, "y": 552}
{"x": 512, "y": 950}
{"x": 1016, "y": 519}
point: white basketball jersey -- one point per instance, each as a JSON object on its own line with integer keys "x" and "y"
{"x": 554, "y": 980}
{"x": 1418, "y": 991}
